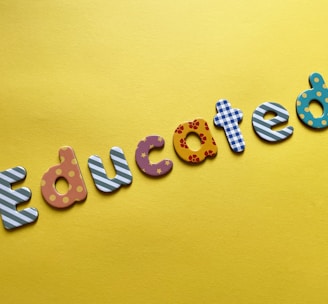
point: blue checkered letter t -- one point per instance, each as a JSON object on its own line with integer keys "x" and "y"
{"x": 228, "y": 119}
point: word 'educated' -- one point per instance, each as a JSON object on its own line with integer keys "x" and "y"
{"x": 226, "y": 118}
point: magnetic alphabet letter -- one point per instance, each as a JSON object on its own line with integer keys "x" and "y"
{"x": 142, "y": 157}
{"x": 263, "y": 126}
{"x": 69, "y": 170}
{"x": 9, "y": 198}
{"x": 318, "y": 93}
{"x": 228, "y": 119}
{"x": 208, "y": 146}
{"x": 98, "y": 173}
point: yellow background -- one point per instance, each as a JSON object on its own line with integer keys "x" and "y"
{"x": 238, "y": 229}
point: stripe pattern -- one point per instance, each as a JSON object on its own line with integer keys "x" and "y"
{"x": 9, "y": 198}
{"x": 263, "y": 126}
{"x": 123, "y": 174}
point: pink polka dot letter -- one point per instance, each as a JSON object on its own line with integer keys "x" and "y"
{"x": 69, "y": 170}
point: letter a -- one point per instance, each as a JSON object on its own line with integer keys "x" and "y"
{"x": 200, "y": 128}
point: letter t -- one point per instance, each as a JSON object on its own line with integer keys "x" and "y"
{"x": 228, "y": 119}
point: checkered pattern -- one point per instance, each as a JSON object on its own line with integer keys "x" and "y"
{"x": 228, "y": 119}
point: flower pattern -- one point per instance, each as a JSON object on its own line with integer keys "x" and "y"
{"x": 183, "y": 143}
{"x": 209, "y": 153}
{"x": 179, "y": 129}
{"x": 194, "y": 124}
{"x": 202, "y": 138}
{"x": 193, "y": 158}
{"x": 207, "y": 148}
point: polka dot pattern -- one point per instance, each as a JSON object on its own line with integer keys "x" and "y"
{"x": 317, "y": 93}
{"x": 70, "y": 171}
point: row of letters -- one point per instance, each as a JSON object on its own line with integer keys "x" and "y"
{"x": 226, "y": 118}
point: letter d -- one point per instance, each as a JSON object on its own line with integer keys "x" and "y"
{"x": 69, "y": 170}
